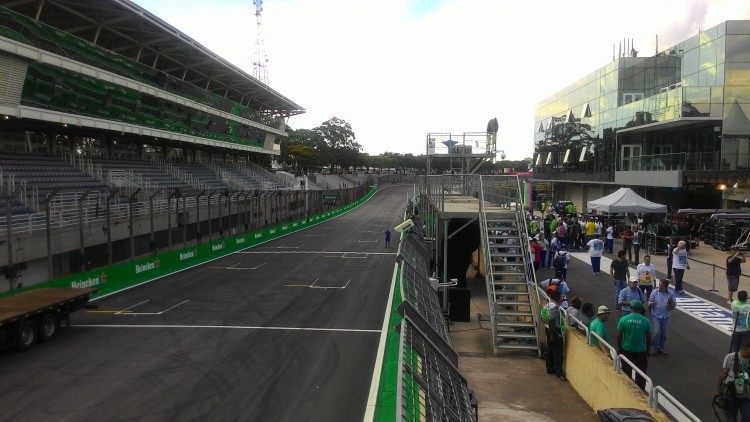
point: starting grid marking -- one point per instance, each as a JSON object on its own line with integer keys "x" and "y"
{"x": 315, "y": 286}
{"x": 702, "y": 310}
{"x": 235, "y": 267}
{"x": 128, "y": 311}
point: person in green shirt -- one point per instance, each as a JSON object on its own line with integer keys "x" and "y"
{"x": 599, "y": 327}
{"x": 634, "y": 340}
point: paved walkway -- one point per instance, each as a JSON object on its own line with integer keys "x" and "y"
{"x": 508, "y": 387}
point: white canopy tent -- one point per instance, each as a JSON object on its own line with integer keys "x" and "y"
{"x": 624, "y": 200}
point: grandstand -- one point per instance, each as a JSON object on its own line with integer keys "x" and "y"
{"x": 121, "y": 136}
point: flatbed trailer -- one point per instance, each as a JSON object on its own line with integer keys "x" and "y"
{"x": 36, "y": 315}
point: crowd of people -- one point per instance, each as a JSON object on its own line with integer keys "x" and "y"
{"x": 643, "y": 301}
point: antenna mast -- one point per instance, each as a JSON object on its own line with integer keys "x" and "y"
{"x": 260, "y": 65}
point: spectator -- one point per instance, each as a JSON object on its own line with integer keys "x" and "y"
{"x": 734, "y": 260}
{"x": 637, "y": 240}
{"x": 610, "y": 238}
{"x": 733, "y": 383}
{"x": 634, "y": 341}
{"x": 588, "y": 313}
{"x": 553, "y": 331}
{"x": 599, "y": 327}
{"x": 620, "y": 272}
{"x": 596, "y": 248}
{"x": 660, "y": 304}
{"x": 670, "y": 248}
{"x": 627, "y": 242}
{"x": 740, "y": 311}
{"x": 575, "y": 311}
{"x": 561, "y": 262}
{"x": 543, "y": 253}
{"x": 590, "y": 229}
{"x": 628, "y": 294}
{"x": 561, "y": 286}
{"x": 646, "y": 273}
{"x": 679, "y": 265}
{"x": 536, "y": 251}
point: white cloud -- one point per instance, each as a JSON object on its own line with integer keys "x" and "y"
{"x": 395, "y": 77}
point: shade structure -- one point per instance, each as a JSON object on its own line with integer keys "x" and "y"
{"x": 625, "y": 200}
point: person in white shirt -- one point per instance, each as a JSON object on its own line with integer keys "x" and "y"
{"x": 679, "y": 265}
{"x": 646, "y": 273}
{"x": 596, "y": 248}
{"x": 611, "y": 238}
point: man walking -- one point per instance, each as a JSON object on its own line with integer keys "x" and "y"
{"x": 734, "y": 260}
{"x": 740, "y": 312}
{"x": 620, "y": 272}
{"x": 387, "y": 235}
{"x": 599, "y": 327}
{"x": 596, "y": 248}
{"x": 646, "y": 273}
{"x": 628, "y": 294}
{"x": 634, "y": 341}
{"x": 660, "y": 303}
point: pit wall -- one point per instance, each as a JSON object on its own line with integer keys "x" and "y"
{"x": 591, "y": 373}
{"x": 142, "y": 270}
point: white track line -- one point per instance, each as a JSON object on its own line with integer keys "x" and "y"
{"x": 230, "y": 327}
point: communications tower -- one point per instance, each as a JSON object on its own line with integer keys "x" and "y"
{"x": 260, "y": 64}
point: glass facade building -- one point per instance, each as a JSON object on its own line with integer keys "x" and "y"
{"x": 675, "y": 124}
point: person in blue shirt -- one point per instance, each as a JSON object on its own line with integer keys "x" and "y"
{"x": 660, "y": 303}
{"x": 387, "y": 234}
{"x": 628, "y": 294}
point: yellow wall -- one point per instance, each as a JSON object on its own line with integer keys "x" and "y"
{"x": 592, "y": 374}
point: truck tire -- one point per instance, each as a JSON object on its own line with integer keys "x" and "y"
{"x": 48, "y": 324}
{"x": 26, "y": 336}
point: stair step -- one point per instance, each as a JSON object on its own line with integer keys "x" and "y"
{"x": 515, "y": 324}
{"x": 517, "y": 346}
{"x": 495, "y": 254}
{"x": 511, "y": 303}
{"x": 506, "y": 312}
{"x": 513, "y": 334}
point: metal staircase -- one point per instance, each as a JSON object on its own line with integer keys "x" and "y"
{"x": 509, "y": 273}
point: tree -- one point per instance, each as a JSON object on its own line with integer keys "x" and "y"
{"x": 339, "y": 136}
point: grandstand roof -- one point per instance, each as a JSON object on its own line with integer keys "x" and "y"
{"x": 123, "y": 27}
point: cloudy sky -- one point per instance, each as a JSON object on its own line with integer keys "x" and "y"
{"x": 397, "y": 70}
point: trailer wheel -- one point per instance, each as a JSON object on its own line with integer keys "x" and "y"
{"x": 47, "y": 326}
{"x": 26, "y": 334}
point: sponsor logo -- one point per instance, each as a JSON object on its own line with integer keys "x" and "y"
{"x": 284, "y": 227}
{"x": 217, "y": 247}
{"x": 240, "y": 240}
{"x": 89, "y": 282}
{"x": 188, "y": 255}
{"x": 144, "y": 267}
{"x": 272, "y": 231}
{"x": 258, "y": 235}
{"x": 294, "y": 224}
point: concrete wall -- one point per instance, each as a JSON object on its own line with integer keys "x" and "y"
{"x": 592, "y": 374}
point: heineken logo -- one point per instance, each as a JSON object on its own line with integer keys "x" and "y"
{"x": 139, "y": 268}
{"x": 188, "y": 255}
{"x": 217, "y": 247}
{"x": 89, "y": 282}
{"x": 239, "y": 240}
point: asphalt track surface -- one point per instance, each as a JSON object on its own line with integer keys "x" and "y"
{"x": 285, "y": 331}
